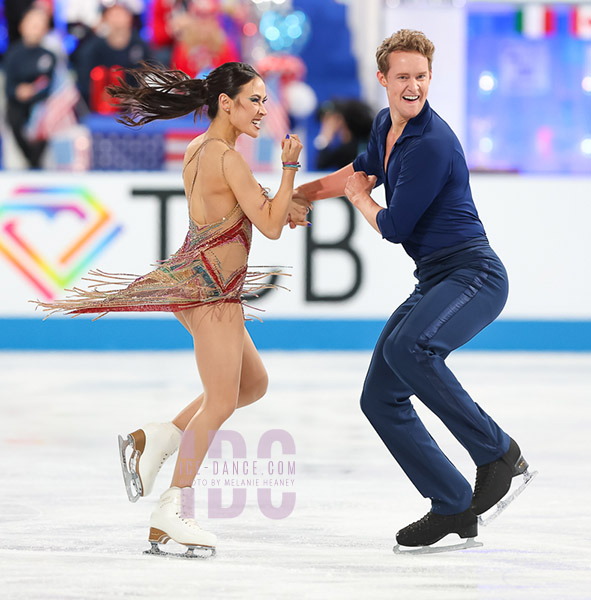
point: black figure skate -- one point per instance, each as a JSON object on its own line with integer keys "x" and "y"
{"x": 419, "y": 537}
{"x": 493, "y": 482}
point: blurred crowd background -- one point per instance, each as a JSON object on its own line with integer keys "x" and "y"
{"x": 525, "y": 88}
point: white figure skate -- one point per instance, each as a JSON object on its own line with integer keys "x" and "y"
{"x": 150, "y": 448}
{"x": 173, "y": 519}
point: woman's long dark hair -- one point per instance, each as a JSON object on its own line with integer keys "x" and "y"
{"x": 159, "y": 93}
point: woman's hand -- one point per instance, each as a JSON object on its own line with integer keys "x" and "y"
{"x": 299, "y": 202}
{"x": 359, "y": 186}
{"x": 297, "y": 215}
{"x": 291, "y": 146}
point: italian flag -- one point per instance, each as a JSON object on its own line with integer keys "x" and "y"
{"x": 536, "y": 21}
{"x": 581, "y": 21}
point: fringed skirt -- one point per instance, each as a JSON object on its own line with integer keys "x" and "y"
{"x": 210, "y": 267}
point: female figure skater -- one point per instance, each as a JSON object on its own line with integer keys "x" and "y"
{"x": 462, "y": 287}
{"x": 202, "y": 283}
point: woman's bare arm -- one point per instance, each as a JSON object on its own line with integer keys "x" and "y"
{"x": 267, "y": 215}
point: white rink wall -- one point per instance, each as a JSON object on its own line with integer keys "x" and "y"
{"x": 56, "y": 226}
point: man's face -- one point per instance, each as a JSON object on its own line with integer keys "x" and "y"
{"x": 118, "y": 17}
{"x": 407, "y": 84}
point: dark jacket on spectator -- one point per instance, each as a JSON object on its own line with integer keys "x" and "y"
{"x": 97, "y": 52}
{"x": 32, "y": 65}
{"x": 28, "y": 64}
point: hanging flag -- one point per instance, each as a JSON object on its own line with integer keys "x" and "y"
{"x": 581, "y": 21}
{"x": 536, "y": 21}
{"x": 260, "y": 154}
{"x": 57, "y": 112}
{"x": 276, "y": 122}
{"x": 175, "y": 144}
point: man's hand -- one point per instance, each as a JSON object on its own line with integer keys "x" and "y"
{"x": 357, "y": 189}
{"x": 359, "y": 186}
{"x": 299, "y": 196}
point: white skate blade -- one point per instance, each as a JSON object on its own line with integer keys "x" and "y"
{"x": 465, "y": 545}
{"x": 132, "y": 482}
{"x": 504, "y": 503}
{"x": 203, "y": 552}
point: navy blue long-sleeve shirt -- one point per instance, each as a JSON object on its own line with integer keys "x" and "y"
{"x": 28, "y": 64}
{"x": 428, "y": 197}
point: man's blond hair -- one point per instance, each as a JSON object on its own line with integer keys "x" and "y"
{"x": 404, "y": 40}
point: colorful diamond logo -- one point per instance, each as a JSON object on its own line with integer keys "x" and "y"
{"x": 51, "y": 258}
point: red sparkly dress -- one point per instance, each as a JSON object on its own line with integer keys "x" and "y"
{"x": 210, "y": 267}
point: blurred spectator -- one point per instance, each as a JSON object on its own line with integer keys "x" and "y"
{"x": 190, "y": 35}
{"x": 345, "y": 126}
{"x": 116, "y": 44}
{"x": 14, "y": 11}
{"x": 29, "y": 69}
{"x": 160, "y": 18}
{"x": 84, "y": 16}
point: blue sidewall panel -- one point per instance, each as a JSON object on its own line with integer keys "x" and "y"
{"x": 274, "y": 334}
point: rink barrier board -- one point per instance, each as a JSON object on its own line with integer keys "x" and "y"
{"x": 116, "y": 334}
{"x": 56, "y": 226}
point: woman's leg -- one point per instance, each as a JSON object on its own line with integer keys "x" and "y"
{"x": 253, "y": 379}
{"x": 218, "y": 337}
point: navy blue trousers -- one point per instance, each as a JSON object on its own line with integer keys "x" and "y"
{"x": 460, "y": 291}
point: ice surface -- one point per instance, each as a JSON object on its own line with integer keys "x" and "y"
{"x": 67, "y": 529}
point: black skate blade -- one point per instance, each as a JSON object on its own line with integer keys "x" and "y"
{"x": 130, "y": 479}
{"x": 205, "y": 552}
{"x": 504, "y": 503}
{"x": 465, "y": 545}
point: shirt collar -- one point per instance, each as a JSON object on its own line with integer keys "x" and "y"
{"x": 414, "y": 127}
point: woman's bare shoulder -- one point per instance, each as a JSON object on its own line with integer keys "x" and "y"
{"x": 215, "y": 148}
{"x": 194, "y": 145}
